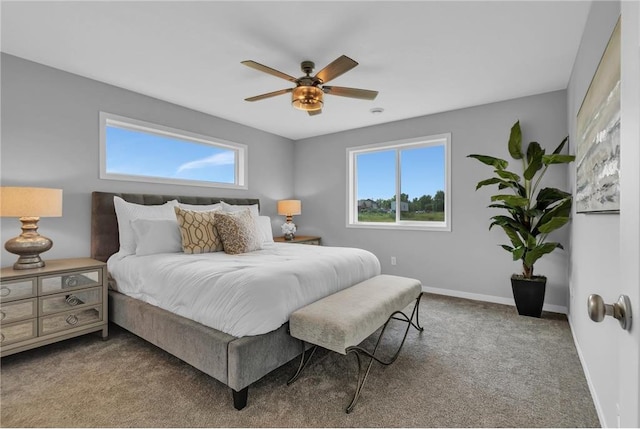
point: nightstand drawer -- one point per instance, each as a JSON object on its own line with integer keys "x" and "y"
{"x": 17, "y": 289}
{"x": 66, "y": 301}
{"x": 70, "y": 320}
{"x": 18, "y": 310}
{"x": 69, "y": 281}
{"x": 18, "y": 331}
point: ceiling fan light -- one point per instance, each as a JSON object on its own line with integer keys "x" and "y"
{"x": 307, "y": 98}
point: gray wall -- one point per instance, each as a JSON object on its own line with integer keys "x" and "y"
{"x": 50, "y": 138}
{"x": 466, "y": 261}
{"x": 595, "y": 238}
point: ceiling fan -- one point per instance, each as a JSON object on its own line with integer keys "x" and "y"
{"x": 309, "y": 90}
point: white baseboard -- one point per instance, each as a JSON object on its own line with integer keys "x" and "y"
{"x": 585, "y": 370}
{"x": 489, "y": 298}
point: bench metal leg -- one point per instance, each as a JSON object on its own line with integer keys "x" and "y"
{"x": 303, "y": 362}
{"x": 359, "y": 351}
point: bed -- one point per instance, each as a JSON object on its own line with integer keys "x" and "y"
{"x": 237, "y": 357}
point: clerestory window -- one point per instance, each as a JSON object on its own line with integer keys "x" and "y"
{"x": 134, "y": 150}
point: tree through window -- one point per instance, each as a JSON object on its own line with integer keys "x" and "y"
{"x": 401, "y": 184}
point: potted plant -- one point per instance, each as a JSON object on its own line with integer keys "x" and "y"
{"x": 531, "y": 213}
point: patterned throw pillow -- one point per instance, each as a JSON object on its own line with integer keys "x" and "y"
{"x": 238, "y": 232}
{"x": 198, "y": 231}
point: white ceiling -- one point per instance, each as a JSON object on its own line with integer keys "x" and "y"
{"x": 423, "y": 57}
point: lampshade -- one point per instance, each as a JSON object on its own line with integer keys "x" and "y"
{"x": 289, "y": 207}
{"x": 307, "y": 98}
{"x": 30, "y": 202}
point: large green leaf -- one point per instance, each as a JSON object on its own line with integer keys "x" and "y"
{"x": 561, "y": 145}
{"x": 531, "y": 241}
{"x": 534, "y": 160}
{"x": 487, "y": 182}
{"x": 548, "y": 196}
{"x": 533, "y": 213}
{"x": 562, "y": 209}
{"x": 508, "y": 175}
{"x": 557, "y": 159}
{"x": 507, "y": 248}
{"x": 512, "y": 200}
{"x": 510, "y": 222}
{"x": 515, "y": 226}
{"x": 513, "y": 236}
{"x": 515, "y": 186}
{"x": 518, "y": 252}
{"x": 498, "y": 163}
{"x": 511, "y": 209}
{"x": 553, "y": 224}
{"x": 500, "y": 206}
{"x": 536, "y": 253}
{"x": 515, "y": 141}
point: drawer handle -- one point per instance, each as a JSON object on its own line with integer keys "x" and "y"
{"x": 72, "y": 319}
{"x": 1, "y": 338}
{"x": 72, "y": 300}
{"x": 71, "y": 281}
{"x": 5, "y": 291}
{"x": 2, "y": 315}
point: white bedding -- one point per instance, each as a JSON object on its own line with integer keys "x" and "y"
{"x": 247, "y": 294}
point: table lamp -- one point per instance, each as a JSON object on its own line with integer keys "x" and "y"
{"x": 289, "y": 208}
{"x": 29, "y": 204}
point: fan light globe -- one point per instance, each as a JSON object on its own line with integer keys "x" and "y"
{"x": 307, "y": 98}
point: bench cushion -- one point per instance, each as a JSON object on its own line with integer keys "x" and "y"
{"x": 347, "y": 317}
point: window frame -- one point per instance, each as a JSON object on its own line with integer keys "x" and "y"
{"x": 417, "y": 142}
{"x": 110, "y": 119}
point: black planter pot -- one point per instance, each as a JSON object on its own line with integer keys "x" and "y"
{"x": 529, "y": 294}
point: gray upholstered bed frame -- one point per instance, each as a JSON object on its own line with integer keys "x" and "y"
{"x": 236, "y": 362}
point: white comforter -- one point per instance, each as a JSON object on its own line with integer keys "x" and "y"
{"x": 247, "y": 294}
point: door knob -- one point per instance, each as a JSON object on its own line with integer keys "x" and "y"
{"x": 620, "y": 310}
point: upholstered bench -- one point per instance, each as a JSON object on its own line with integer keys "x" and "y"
{"x": 341, "y": 321}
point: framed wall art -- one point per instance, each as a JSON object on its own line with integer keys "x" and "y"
{"x": 598, "y": 136}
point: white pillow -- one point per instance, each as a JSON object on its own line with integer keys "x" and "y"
{"x": 230, "y": 208}
{"x": 200, "y": 208}
{"x": 264, "y": 229}
{"x": 156, "y": 236}
{"x": 128, "y": 212}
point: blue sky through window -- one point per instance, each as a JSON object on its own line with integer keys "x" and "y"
{"x": 422, "y": 172}
{"x": 138, "y": 153}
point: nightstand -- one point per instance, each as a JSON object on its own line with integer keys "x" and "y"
{"x": 63, "y": 299}
{"x": 300, "y": 239}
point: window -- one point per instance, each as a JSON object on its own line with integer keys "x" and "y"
{"x": 143, "y": 152}
{"x": 403, "y": 184}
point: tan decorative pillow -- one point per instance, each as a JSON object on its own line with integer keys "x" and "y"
{"x": 198, "y": 231}
{"x": 238, "y": 232}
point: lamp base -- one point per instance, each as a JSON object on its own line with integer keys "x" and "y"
{"x": 28, "y": 262}
{"x": 28, "y": 245}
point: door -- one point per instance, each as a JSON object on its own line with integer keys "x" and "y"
{"x": 628, "y": 358}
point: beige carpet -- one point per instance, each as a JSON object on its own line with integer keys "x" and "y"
{"x": 476, "y": 364}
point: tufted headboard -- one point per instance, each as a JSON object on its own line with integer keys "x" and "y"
{"x": 104, "y": 224}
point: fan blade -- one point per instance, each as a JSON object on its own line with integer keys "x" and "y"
{"x": 269, "y": 70}
{"x": 363, "y": 94}
{"x": 336, "y": 68}
{"x": 314, "y": 112}
{"x": 269, "y": 94}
